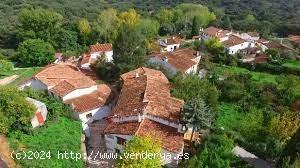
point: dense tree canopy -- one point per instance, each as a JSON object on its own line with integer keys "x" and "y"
{"x": 129, "y": 49}
{"x": 35, "y": 52}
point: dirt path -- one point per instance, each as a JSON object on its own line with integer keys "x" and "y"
{"x": 8, "y": 80}
{"x": 5, "y": 152}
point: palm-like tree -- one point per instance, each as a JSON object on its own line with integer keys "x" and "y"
{"x": 197, "y": 114}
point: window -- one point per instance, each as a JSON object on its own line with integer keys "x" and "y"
{"x": 89, "y": 116}
{"x": 121, "y": 141}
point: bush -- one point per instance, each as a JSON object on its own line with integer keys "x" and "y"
{"x": 15, "y": 111}
{"x": 5, "y": 66}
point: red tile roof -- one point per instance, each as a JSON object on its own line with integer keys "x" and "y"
{"x": 125, "y": 128}
{"x": 54, "y": 74}
{"x": 232, "y": 41}
{"x": 62, "y": 88}
{"x": 91, "y": 101}
{"x": 181, "y": 59}
{"x": 101, "y": 47}
{"x": 171, "y": 139}
{"x": 147, "y": 91}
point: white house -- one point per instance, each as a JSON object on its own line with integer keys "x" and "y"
{"x": 250, "y": 36}
{"x": 145, "y": 107}
{"x": 182, "y": 60}
{"x": 97, "y": 51}
{"x": 40, "y": 114}
{"x": 67, "y": 83}
{"x": 170, "y": 44}
{"x": 234, "y": 44}
{"x": 213, "y": 32}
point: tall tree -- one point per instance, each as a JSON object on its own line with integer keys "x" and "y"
{"x": 35, "y": 52}
{"x": 84, "y": 29}
{"x": 107, "y": 24}
{"x": 197, "y": 114}
{"x": 129, "y": 49}
{"x": 39, "y": 23}
{"x": 195, "y": 26}
{"x": 138, "y": 145}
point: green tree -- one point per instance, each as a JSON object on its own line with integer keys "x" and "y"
{"x": 84, "y": 30}
{"x": 129, "y": 49}
{"x": 67, "y": 40}
{"x": 185, "y": 13}
{"x": 39, "y": 23}
{"x": 107, "y": 24}
{"x": 129, "y": 19}
{"x": 5, "y": 66}
{"x": 189, "y": 86}
{"x": 197, "y": 114}
{"x": 15, "y": 111}
{"x": 35, "y": 52}
{"x": 148, "y": 27}
{"x": 195, "y": 26}
{"x": 213, "y": 46}
{"x": 138, "y": 145}
{"x": 227, "y": 23}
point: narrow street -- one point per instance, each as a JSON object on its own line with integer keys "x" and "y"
{"x": 96, "y": 146}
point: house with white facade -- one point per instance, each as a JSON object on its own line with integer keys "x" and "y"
{"x": 184, "y": 60}
{"x": 96, "y": 51}
{"x": 235, "y": 44}
{"x": 250, "y": 36}
{"x": 213, "y": 32}
{"x": 170, "y": 44}
{"x": 40, "y": 114}
{"x": 86, "y": 98}
{"x": 145, "y": 107}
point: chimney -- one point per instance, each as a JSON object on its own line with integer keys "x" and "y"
{"x": 137, "y": 75}
{"x": 173, "y": 37}
{"x": 166, "y": 41}
{"x": 197, "y": 53}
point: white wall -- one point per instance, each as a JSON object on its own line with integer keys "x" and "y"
{"x": 34, "y": 84}
{"x": 108, "y": 55}
{"x": 80, "y": 92}
{"x": 235, "y": 49}
{"x": 171, "y": 48}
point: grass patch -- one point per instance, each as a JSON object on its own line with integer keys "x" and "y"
{"x": 292, "y": 64}
{"x": 256, "y": 76}
{"x": 59, "y": 136}
{"x": 23, "y": 74}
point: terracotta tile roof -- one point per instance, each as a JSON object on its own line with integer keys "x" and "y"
{"x": 62, "y": 88}
{"x": 101, "y": 47}
{"x": 91, "y": 101}
{"x": 232, "y": 41}
{"x": 261, "y": 58}
{"x": 181, "y": 59}
{"x": 147, "y": 91}
{"x": 171, "y": 139}
{"x": 54, "y": 74}
{"x": 125, "y": 128}
{"x": 212, "y": 31}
